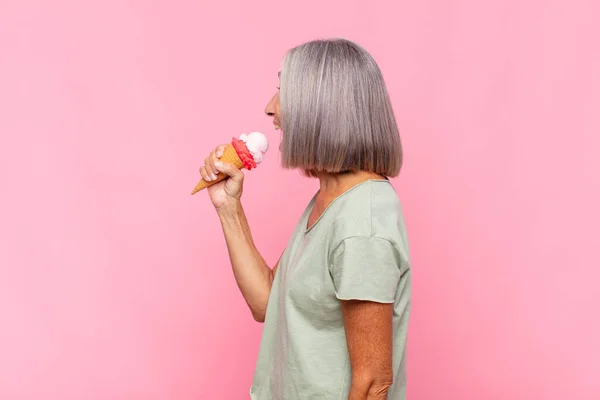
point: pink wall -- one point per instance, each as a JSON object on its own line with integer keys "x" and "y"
{"x": 114, "y": 282}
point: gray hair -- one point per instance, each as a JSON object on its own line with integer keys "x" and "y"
{"x": 336, "y": 112}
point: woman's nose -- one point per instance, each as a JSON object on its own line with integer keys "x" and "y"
{"x": 270, "y": 109}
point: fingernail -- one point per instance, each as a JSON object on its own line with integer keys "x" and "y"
{"x": 213, "y": 177}
{"x": 219, "y": 164}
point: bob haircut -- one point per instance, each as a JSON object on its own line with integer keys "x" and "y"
{"x": 336, "y": 112}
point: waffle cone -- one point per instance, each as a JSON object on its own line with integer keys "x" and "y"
{"x": 229, "y": 156}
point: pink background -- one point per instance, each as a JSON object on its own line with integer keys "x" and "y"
{"x": 115, "y": 282}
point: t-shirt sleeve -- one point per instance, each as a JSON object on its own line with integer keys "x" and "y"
{"x": 366, "y": 268}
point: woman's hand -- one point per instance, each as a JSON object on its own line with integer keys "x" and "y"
{"x": 228, "y": 192}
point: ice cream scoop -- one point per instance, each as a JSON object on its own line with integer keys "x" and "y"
{"x": 257, "y": 144}
{"x": 246, "y": 152}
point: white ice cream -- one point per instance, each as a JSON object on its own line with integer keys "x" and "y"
{"x": 257, "y": 144}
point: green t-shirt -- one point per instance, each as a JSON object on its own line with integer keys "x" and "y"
{"x": 357, "y": 250}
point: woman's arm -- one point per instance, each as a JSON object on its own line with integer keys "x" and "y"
{"x": 253, "y": 275}
{"x": 369, "y": 335}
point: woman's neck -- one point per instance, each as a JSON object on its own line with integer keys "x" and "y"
{"x": 333, "y": 185}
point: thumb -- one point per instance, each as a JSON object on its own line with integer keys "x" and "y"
{"x": 230, "y": 170}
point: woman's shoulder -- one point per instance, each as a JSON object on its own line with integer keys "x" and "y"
{"x": 371, "y": 209}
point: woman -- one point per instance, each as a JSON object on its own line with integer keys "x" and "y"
{"x": 336, "y": 305}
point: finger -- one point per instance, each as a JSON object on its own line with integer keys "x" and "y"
{"x": 230, "y": 170}
{"x": 209, "y": 169}
{"x": 213, "y": 160}
{"x": 204, "y": 174}
{"x": 220, "y": 150}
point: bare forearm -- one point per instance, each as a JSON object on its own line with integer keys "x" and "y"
{"x": 252, "y": 274}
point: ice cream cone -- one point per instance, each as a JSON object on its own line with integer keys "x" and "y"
{"x": 229, "y": 156}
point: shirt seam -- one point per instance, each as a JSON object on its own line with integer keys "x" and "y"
{"x": 372, "y": 236}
